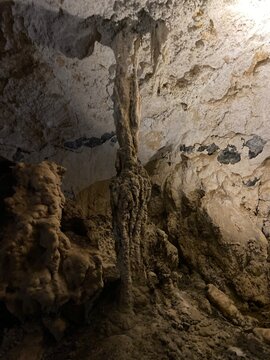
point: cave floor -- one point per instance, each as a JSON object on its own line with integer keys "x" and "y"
{"x": 167, "y": 323}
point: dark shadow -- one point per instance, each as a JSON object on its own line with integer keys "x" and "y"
{"x": 7, "y": 183}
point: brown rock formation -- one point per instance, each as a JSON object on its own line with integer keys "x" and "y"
{"x": 41, "y": 268}
{"x": 130, "y": 190}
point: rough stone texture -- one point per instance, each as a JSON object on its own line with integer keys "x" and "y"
{"x": 171, "y": 317}
{"x": 209, "y": 82}
{"x": 224, "y": 304}
{"x": 216, "y": 236}
{"x": 131, "y": 188}
{"x": 206, "y": 85}
{"x": 203, "y": 69}
{"x": 95, "y": 199}
{"x": 264, "y": 334}
{"x": 41, "y": 267}
{"x": 179, "y": 323}
{"x": 52, "y": 103}
{"x": 203, "y": 81}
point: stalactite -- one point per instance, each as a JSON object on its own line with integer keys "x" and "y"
{"x": 130, "y": 190}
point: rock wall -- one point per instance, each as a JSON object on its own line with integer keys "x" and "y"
{"x": 214, "y": 236}
{"x": 203, "y": 70}
{"x": 204, "y": 89}
{"x": 54, "y": 107}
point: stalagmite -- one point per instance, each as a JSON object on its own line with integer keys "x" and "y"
{"x": 130, "y": 190}
{"x": 41, "y": 268}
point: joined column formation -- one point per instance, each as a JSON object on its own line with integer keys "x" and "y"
{"x": 131, "y": 188}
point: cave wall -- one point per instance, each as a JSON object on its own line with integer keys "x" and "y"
{"x": 203, "y": 74}
{"x": 204, "y": 89}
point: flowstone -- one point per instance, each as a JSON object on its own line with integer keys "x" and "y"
{"x": 42, "y": 268}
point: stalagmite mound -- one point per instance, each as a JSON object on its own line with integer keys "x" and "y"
{"x": 47, "y": 260}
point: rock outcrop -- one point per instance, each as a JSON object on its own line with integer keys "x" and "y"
{"x": 41, "y": 267}
{"x": 215, "y": 237}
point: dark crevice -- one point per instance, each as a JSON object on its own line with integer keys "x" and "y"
{"x": 7, "y": 183}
